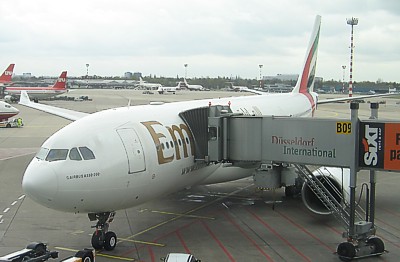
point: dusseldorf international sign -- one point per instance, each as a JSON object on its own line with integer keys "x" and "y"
{"x": 308, "y": 141}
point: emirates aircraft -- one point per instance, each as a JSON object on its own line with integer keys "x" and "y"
{"x": 36, "y": 93}
{"x": 122, "y": 157}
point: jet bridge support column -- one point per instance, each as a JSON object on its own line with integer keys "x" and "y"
{"x": 353, "y": 172}
{"x": 372, "y": 178}
{"x": 361, "y": 240}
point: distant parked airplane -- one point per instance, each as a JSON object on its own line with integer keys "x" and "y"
{"x": 5, "y": 78}
{"x": 146, "y": 85}
{"x": 37, "y": 93}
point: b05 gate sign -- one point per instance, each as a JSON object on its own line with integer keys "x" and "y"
{"x": 379, "y": 146}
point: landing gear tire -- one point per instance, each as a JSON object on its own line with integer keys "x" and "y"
{"x": 110, "y": 241}
{"x": 346, "y": 251}
{"x": 97, "y": 241}
{"x": 377, "y": 244}
{"x": 87, "y": 258}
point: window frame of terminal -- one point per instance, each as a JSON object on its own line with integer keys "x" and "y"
{"x": 60, "y": 154}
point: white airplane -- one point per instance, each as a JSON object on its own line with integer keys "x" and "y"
{"x": 123, "y": 157}
{"x": 59, "y": 87}
{"x": 238, "y": 88}
{"x": 7, "y": 111}
{"x": 192, "y": 87}
{"x": 146, "y": 85}
{"x": 169, "y": 89}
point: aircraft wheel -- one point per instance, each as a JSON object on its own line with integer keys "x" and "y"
{"x": 346, "y": 251}
{"x": 377, "y": 243}
{"x": 38, "y": 248}
{"x": 110, "y": 241}
{"x": 87, "y": 258}
{"x": 97, "y": 242}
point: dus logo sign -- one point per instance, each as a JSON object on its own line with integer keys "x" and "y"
{"x": 371, "y": 152}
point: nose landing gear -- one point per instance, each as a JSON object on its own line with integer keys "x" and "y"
{"x": 102, "y": 238}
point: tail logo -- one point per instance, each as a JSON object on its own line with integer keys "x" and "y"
{"x": 8, "y": 73}
{"x": 61, "y": 79}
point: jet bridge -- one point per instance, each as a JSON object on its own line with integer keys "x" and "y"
{"x": 283, "y": 147}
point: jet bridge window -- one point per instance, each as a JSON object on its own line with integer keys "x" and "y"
{"x": 57, "y": 154}
{"x": 87, "y": 154}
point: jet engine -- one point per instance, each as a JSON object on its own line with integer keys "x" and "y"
{"x": 336, "y": 180}
{"x": 10, "y": 99}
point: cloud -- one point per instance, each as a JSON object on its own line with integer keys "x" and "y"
{"x": 217, "y": 37}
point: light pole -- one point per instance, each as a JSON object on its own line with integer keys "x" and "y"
{"x": 186, "y": 65}
{"x": 260, "y": 66}
{"x": 351, "y": 21}
{"x": 344, "y": 68}
{"x": 87, "y": 75}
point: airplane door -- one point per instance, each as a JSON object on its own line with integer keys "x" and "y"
{"x": 133, "y": 149}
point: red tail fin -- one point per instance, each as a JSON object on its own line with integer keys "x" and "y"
{"x": 7, "y": 74}
{"x": 61, "y": 82}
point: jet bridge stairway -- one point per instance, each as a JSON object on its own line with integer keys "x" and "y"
{"x": 329, "y": 195}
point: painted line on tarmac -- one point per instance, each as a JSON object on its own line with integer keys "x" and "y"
{"x": 11, "y": 157}
{"x": 98, "y": 254}
{"x": 188, "y": 212}
{"x": 181, "y": 215}
{"x": 143, "y": 242}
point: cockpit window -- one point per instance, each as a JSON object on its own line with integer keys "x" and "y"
{"x": 74, "y": 154}
{"x": 7, "y": 106}
{"x": 57, "y": 154}
{"x": 87, "y": 154}
{"x": 42, "y": 153}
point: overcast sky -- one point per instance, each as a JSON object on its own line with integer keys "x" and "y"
{"x": 215, "y": 38}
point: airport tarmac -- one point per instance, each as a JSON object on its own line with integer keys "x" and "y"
{"x": 225, "y": 222}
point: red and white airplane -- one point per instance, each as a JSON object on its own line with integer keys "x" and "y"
{"x": 7, "y": 111}
{"x": 36, "y": 93}
{"x": 122, "y": 157}
{"x": 5, "y": 78}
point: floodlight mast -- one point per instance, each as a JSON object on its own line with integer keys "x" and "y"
{"x": 352, "y": 22}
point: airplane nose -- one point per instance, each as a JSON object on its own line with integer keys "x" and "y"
{"x": 40, "y": 182}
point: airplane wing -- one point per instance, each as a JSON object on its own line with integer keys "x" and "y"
{"x": 257, "y": 92}
{"x": 61, "y": 112}
{"x": 340, "y": 99}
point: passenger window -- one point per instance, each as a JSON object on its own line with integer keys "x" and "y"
{"x": 74, "y": 154}
{"x": 87, "y": 154}
{"x": 42, "y": 153}
{"x": 57, "y": 154}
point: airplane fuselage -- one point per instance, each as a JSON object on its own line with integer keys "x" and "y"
{"x": 140, "y": 153}
{"x": 7, "y": 111}
{"x": 35, "y": 92}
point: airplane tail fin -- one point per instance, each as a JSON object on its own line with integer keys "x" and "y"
{"x": 305, "y": 82}
{"x": 61, "y": 82}
{"x": 7, "y": 74}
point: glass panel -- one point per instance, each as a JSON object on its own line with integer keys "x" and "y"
{"x": 42, "y": 153}
{"x": 57, "y": 154}
{"x": 74, "y": 154}
{"x": 87, "y": 154}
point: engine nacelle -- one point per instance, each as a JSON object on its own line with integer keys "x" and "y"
{"x": 336, "y": 180}
{"x": 10, "y": 99}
